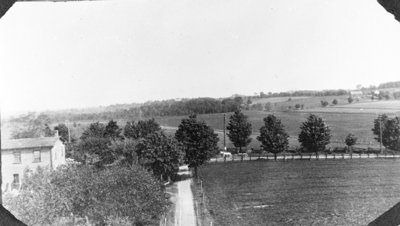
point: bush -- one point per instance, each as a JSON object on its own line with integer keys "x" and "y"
{"x": 350, "y": 100}
{"x": 334, "y": 102}
{"x": 100, "y": 195}
{"x": 324, "y": 103}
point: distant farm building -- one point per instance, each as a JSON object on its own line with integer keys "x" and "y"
{"x": 19, "y": 155}
{"x": 356, "y": 93}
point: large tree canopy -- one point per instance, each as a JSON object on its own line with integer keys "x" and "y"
{"x": 198, "y": 140}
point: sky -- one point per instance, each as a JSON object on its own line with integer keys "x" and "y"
{"x": 86, "y": 54}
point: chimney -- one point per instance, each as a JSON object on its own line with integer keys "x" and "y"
{"x": 56, "y": 134}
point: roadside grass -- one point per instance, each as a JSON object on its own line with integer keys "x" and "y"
{"x": 329, "y": 192}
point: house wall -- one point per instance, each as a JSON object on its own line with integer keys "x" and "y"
{"x": 58, "y": 154}
{"x": 9, "y": 168}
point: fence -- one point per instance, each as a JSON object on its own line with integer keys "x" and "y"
{"x": 291, "y": 156}
{"x": 203, "y": 217}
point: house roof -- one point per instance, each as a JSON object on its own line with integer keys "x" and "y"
{"x": 29, "y": 143}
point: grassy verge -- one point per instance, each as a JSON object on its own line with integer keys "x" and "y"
{"x": 203, "y": 216}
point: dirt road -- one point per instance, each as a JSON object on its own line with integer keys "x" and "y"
{"x": 184, "y": 212}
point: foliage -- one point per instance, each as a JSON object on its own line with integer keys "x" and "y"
{"x": 124, "y": 151}
{"x": 112, "y": 131}
{"x": 96, "y": 129}
{"x": 141, "y": 129}
{"x": 273, "y": 136}
{"x": 125, "y": 193}
{"x": 389, "y": 85}
{"x": 160, "y": 153}
{"x": 239, "y": 130}
{"x": 324, "y": 103}
{"x": 315, "y": 134}
{"x": 350, "y": 100}
{"x": 63, "y": 132}
{"x": 198, "y": 140}
{"x": 94, "y": 150}
{"x": 33, "y": 126}
{"x": 390, "y": 131}
{"x": 335, "y": 102}
{"x": 350, "y": 140}
{"x": 384, "y": 95}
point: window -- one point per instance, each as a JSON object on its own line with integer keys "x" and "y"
{"x": 36, "y": 156}
{"x": 15, "y": 183}
{"x": 17, "y": 157}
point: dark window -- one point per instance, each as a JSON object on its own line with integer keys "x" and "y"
{"x": 15, "y": 183}
{"x": 36, "y": 156}
{"x": 17, "y": 157}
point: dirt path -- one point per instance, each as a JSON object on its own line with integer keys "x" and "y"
{"x": 184, "y": 208}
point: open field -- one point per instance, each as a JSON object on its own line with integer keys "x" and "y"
{"x": 376, "y": 107}
{"x": 330, "y": 192}
{"x": 283, "y": 103}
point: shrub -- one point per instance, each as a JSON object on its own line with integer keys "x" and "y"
{"x": 350, "y": 100}
{"x": 324, "y": 103}
{"x": 334, "y": 102}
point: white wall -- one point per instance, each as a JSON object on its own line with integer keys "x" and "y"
{"x": 9, "y": 168}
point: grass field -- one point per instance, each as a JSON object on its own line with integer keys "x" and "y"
{"x": 329, "y": 192}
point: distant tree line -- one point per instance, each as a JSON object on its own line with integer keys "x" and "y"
{"x": 151, "y": 109}
{"x": 389, "y": 85}
{"x": 338, "y": 92}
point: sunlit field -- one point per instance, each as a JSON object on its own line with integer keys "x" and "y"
{"x": 329, "y": 192}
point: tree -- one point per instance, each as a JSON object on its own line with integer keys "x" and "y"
{"x": 198, "y": 140}
{"x": 273, "y": 136}
{"x": 160, "y": 153}
{"x": 147, "y": 127}
{"x": 315, "y": 134}
{"x": 33, "y": 126}
{"x": 268, "y": 106}
{"x": 239, "y": 130}
{"x": 112, "y": 131}
{"x": 390, "y": 131}
{"x": 350, "y": 140}
{"x": 124, "y": 151}
{"x": 96, "y": 129}
{"x": 350, "y": 100}
{"x": 94, "y": 151}
{"x": 63, "y": 132}
{"x": 324, "y": 103}
{"x": 77, "y": 192}
{"x": 141, "y": 129}
{"x": 335, "y": 102}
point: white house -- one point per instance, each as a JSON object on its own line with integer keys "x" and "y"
{"x": 356, "y": 93}
{"x": 21, "y": 154}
